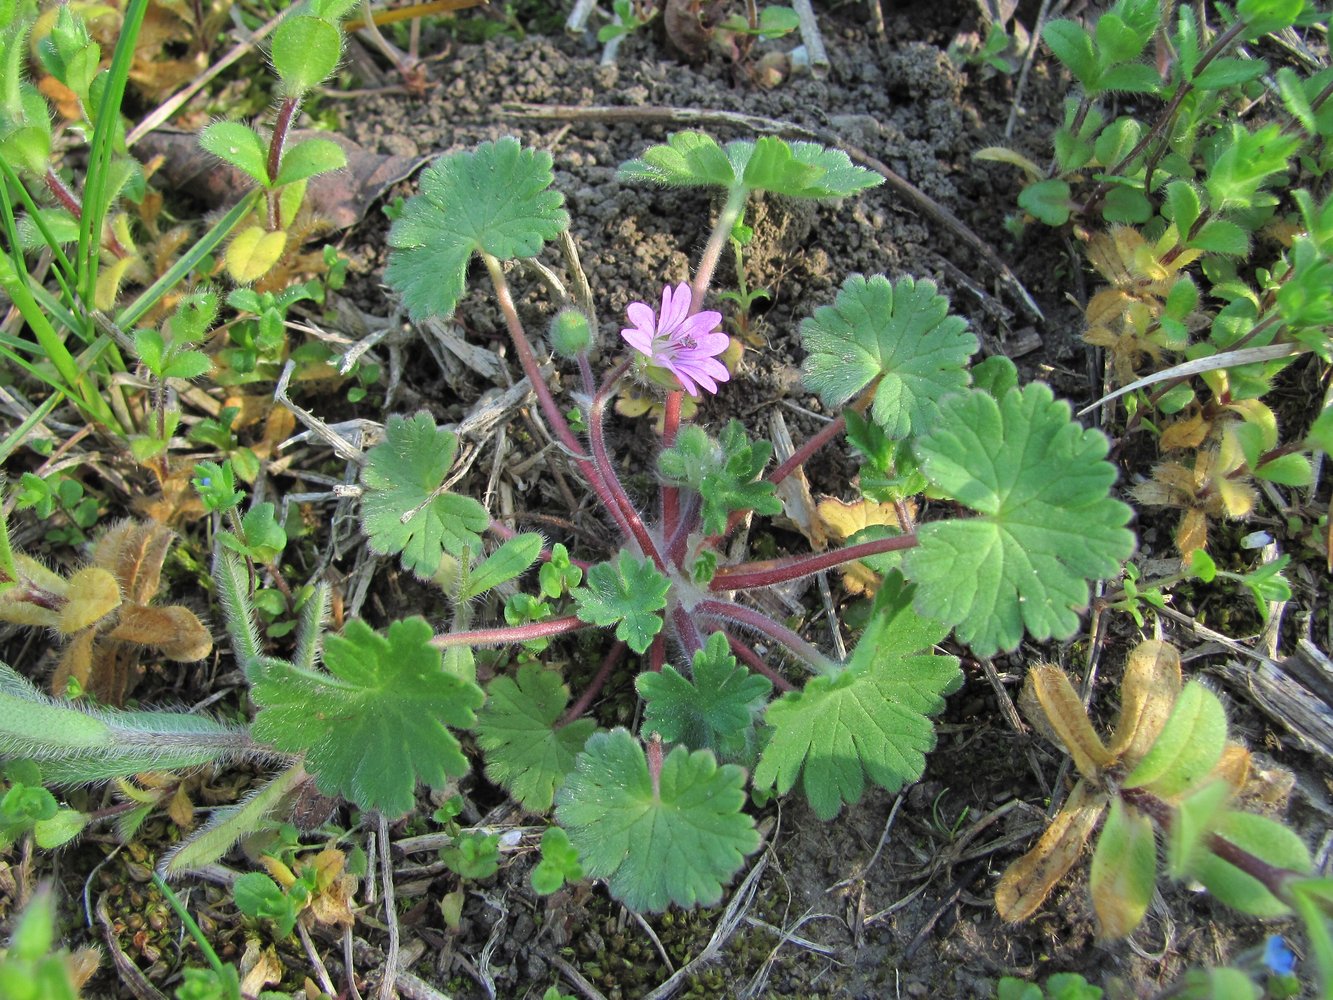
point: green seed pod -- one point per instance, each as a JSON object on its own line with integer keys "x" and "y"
{"x": 570, "y": 333}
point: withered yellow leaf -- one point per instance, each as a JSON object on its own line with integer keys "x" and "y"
{"x": 91, "y": 595}
{"x": 1030, "y": 879}
{"x": 253, "y": 251}
{"x": 1147, "y": 693}
{"x": 1048, "y": 687}
{"x": 1187, "y": 433}
{"x": 1193, "y": 531}
{"x": 174, "y": 631}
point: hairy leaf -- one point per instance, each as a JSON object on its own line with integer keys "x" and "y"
{"x": 492, "y": 199}
{"x": 714, "y": 710}
{"x": 869, "y": 720}
{"x": 725, "y": 473}
{"x": 672, "y": 838}
{"x": 1029, "y": 880}
{"x": 900, "y": 333}
{"x": 376, "y": 722}
{"x": 1188, "y": 747}
{"x": 1265, "y": 838}
{"x": 1048, "y": 523}
{"x": 627, "y": 594}
{"x": 526, "y": 753}
{"x": 794, "y": 169}
{"x": 404, "y": 510}
{"x": 1124, "y": 871}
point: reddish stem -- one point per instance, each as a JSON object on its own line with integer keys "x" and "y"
{"x": 756, "y": 663}
{"x": 281, "y": 126}
{"x": 670, "y": 494}
{"x": 687, "y": 633}
{"x": 769, "y": 572}
{"x": 779, "y": 633}
{"x": 510, "y": 633}
{"x": 657, "y": 653}
{"x": 594, "y": 688}
{"x": 802, "y": 454}
{"x": 70, "y": 202}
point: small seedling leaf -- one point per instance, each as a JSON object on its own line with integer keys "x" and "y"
{"x": 627, "y": 594}
{"x": 526, "y": 752}
{"x": 1047, "y": 200}
{"x": 238, "y": 145}
{"x": 1124, "y": 871}
{"x": 1196, "y": 815}
{"x": 1187, "y": 749}
{"x": 404, "y": 510}
{"x": 376, "y": 722}
{"x": 559, "y": 863}
{"x": 901, "y": 334}
{"x": 715, "y": 709}
{"x": 676, "y": 837}
{"x": 252, "y": 252}
{"x": 870, "y": 719}
{"x": 1048, "y": 523}
{"x": 687, "y": 159}
{"x": 510, "y": 560}
{"x": 309, "y": 158}
{"x": 493, "y": 199}
{"x": 799, "y": 169}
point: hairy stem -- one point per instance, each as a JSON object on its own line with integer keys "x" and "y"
{"x": 756, "y": 663}
{"x": 71, "y": 204}
{"x": 687, "y": 633}
{"x": 670, "y": 495}
{"x": 510, "y": 633}
{"x": 607, "y": 472}
{"x": 747, "y": 576}
{"x": 594, "y": 688}
{"x": 717, "y": 242}
{"x": 729, "y": 611}
{"x": 281, "y": 126}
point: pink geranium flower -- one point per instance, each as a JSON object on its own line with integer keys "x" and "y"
{"x": 685, "y": 345}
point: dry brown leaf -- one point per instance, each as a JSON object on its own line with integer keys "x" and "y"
{"x": 1047, "y": 688}
{"x": 1187, "y": 433}
{"x": 1147, "y": 694}
{"x": 1030, "y": 879}
{"x": 1192, "y": 533}
{"x": 180, "y": 809}
{"x": 259, "y": 968}
{"x": 173, "y": 631}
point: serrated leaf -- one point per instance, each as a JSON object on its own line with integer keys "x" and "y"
{"x": 1048, "y": 524}
{"x": 492, "y": 199}
{"x": 725, "y": 473}
{"x": 902, "y": 334}
{"x": 309, "y": 158}
{"x": 403, "y": 509}
{"x": 1188, "y": 747}
{"x": 508, "y": 561}
{"x": 678, "y": 839}
{"x": 376, "y": 722}
{"x": 526, "y": 753}
{"x": 869, "y": 720}
{"x": 687, "y": 159}
{"x": 238, "y": 145}
{"x": 1221, "y": 236}
{"x": 1124, "y": 871}
{"x": 188, "y": 365}
{"x": 252, "y": 252}
{"x": 1267, "y": 840}
{"x": 715, "y": 709}
{"x": 627, "y": 595}
{"x": 1072, "y": 45}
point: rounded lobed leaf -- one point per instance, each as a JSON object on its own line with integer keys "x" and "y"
{"x": 677, "y": 839}
{"x": 1048, "y": 524}
{"x": 902, "y": 335}
{"x": 492, "y": 199}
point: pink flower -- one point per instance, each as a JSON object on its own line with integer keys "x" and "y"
{"x": 685, "y": 345}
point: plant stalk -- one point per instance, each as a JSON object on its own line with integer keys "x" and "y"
{"x": 747, "y": 576}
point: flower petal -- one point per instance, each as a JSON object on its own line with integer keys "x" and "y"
{"x": 641, "y": 315}
{"x": 639, "y": 340}
{"x": 675, "y": 309}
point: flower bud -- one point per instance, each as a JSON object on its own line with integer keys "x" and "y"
{"x": 570, "y": 333}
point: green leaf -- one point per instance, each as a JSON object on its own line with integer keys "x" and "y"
{"x": 187, "y": 365}
{"x": 305, "y": 51}
{"x": 263, "y": 538}
{"x": 628, "y": 595}
{"x": 725, "y": 473}
{"x": 1131, "y": 78}
{"x": 1048, "y": 523}
{"x": 475, "y": 855}
{"x": 1228, "y": 71}
{"x": 510, "y": 560}
{"x": 714, "y": 710}
{"x": 1072, "y": 45}
{"x": 493, "y": 200}
{"x": 259, "y": 897}
{"x": 151, "y": 349}
{"x": 1268, "y": 840}
{"x": 60, "y": 829}
{"x": 1287, "y": 470}
{"x": 1264, "y": 17}
{"x": 1125, "y": 204}
{"x": 901, "y": 334}
{"x": 238, "y": 145}
{"x": 376, "y": 722}
{"x": 1124, "y": 870}
{"x": 1221, "y": 236}
{"x": 869, "y": 720}
{"x": 559, "y": 863}
{"x": 1188, "y": 747}
{"x": 559, "y": 575}
{"x": 1196, "y": 815}
{"x": 309, "y": 158}
{"x": 404, "y": 510}
{"x": 526, "y": 753}
{"x": 1321, "y": 432}
{"x": 676, "y": 837}
{"x": 799, "y": 169}
{"x": 793, "y": 169}
{"x": 1048, "y": 201}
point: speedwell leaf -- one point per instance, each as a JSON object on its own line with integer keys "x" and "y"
{"x": 714, "y": 710}
{"x": 1048, "y": 523}
{"x": 900, "y": 333}
{"x": 526, "y": 752}
{"x": 678, "y": 839}
{"x": 870, "y": 720}
{"x": 404, "y": 510}
{"x": 376, "y": 722}
{"x": 492, "y": 199}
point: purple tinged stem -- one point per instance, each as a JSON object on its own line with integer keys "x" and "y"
{"x": 747, "y": 576}
{"x": 510, "y": 633}
{"x": 730, "y": 611}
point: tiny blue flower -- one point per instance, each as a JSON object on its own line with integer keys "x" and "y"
{"x": 1278, "y": 957}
